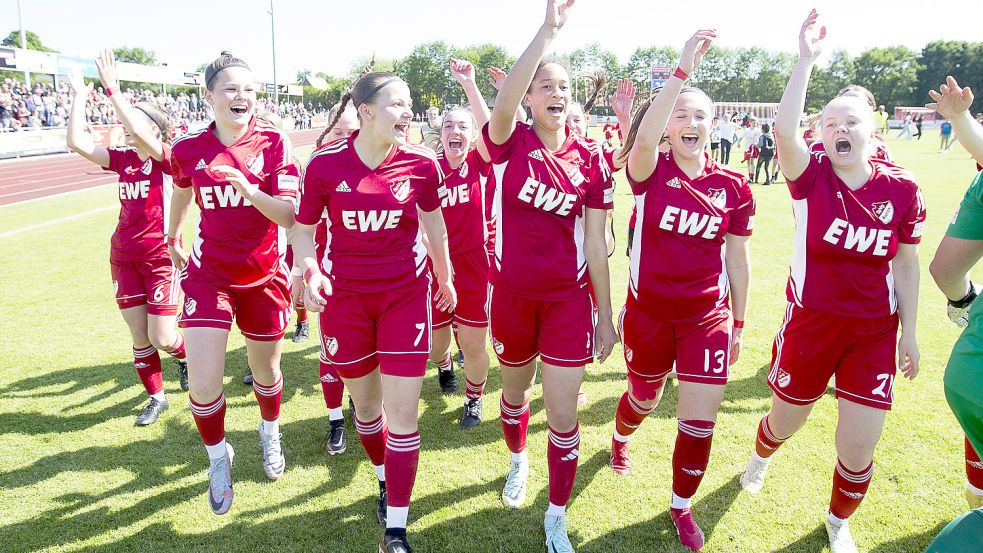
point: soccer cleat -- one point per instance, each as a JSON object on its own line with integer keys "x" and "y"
{"x": 448, "y": 380}
{"x": 514, "y": 492}
{"x": 620, "y": 460}
{"x": 182, "y": 373}
{"x": 689, "y": 533}
{"x": 471, "y": 416}
{"x": 247, "y": 378}
{"x": 459, "y": 359}
{"x": 336, "y": 437}
{"x": 151, "y": 412}
{"x": 975, "y": 501}
{"x": 302, "y": 332}
{"x": 220, "y": 483}
{"x": 557, "y": 540}
{"x": 753, "y": 477}
{"x": 273, "y": 461}
{"x": 395, "y": 543}
{"x": 840, "y": 540}
{"x": 380, "y": 512}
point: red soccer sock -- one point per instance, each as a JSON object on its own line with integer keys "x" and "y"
{"x": 628, "y": 416}
{"x": 766, "y": 443}
{"x": 146, "y": 361}
{"x": 268, "y": 398}
{"x": 301, "y": 314}
{"x": 210, "y": 419}
{"x": 373, "y": 435}
{"x": 515, "y": 421}
{"x": 474, "y": 391}
{"x": 402, "y": 458}
{"x": 691, "y": 456}
{"x": 331, "y": 385}
{"x": 177, "y": 349}
{"x": 562, "y": 456}
{"x": 974, "y": 467}
{"x": 444, "y": 363}
{"x": 849, "y": 489}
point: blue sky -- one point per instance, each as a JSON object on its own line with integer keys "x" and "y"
{"x": 330, "y": 36}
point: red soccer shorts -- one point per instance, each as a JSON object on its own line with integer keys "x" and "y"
{"x": 154, "y": 282}
{"x": 261, "y": 312}
{"x": 471, "y": 284}
{"x": 700, "y": 350}
{"x": 811, "y": 346}
{"x": 560, "y": 332}
{"x": 388, "y": 329}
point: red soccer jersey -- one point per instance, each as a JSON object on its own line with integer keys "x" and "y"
{"x": 374, "y": 241}
{"x": 461, "y": 202}
{"x": 145, "y": 199}
{"x": 677, "y": 272}
{"x": 236, "y": 245}
{"x": 845, "y": 239}
{"x": 540, "y": 198}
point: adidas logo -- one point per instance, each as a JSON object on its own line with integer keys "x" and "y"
{"x": 852, "y": 495}
{"x": 343, "y": 187}
{"x": 139, "y": 366}
{"x": 693, "y": 472}
{"x": 201, "y": 165}
{"x": 536, "y": 154}
{"x": 571, "y": 456}
{"x": 674, "y": 183}
{"x": 511, "y": 421}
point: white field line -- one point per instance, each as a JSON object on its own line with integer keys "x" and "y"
{"x": 57, "y": 221}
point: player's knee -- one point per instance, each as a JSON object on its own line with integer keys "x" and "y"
{"x": 645, "y": 392}
{"x": 472, "y": 344}
{"x": 562, "y": 420}
{"x": 161, "y": 338}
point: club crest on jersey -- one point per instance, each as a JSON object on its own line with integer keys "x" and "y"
{"x": 400, "y": 189}
{"x": 718, "y": 197}
{"x": 463, "y": 171}
{"x": 629, "y": 354}
{"x": 783, "y": 378}
{"x": 147, "y": 166}
{"x": 331, "y": 345}
{"x": 674, "y": 183}
{"x": 254, "y": 163}
{"x": 190, "y": 306}
{"x": 883, "y": 210}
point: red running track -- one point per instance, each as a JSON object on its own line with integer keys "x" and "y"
{"x": 42, "y": 176}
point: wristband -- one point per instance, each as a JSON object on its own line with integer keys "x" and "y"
{"x": 309, "y": 274}
{"x": 296, "y": 272}
{"x": 967, "y": 299}
{"x": 109, "y": 92}
{"x": 172, "y": 241}
{"x": 738, "y": 323}
{"x": 680, "y": 74}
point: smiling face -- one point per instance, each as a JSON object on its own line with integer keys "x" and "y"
{"x": 233, "y": 96}
{"x": 576, "y": 119}
{"x": 146, "y": 122}
{"x": 389, "y": 114}
{"x": 549, "y": 97}
{"x": 689, "y": 124}
{"x": 457, "y": 133}
{"x": 847, "y": 128}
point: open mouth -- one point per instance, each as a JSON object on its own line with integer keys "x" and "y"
{"x": 690, "y": 140}
{"x": 455, "y": 144}
{"x": 238, "y": 109}
{"x": 555, "y": 109}
{"x": 843, "y": 146}
{"x": 401, "y": 128}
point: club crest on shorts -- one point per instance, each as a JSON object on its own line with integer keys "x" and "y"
{"x": 463, "y": 171}
{"x": 330, "y": 345}
{"x": 883, "y": 211}
{"x": 629, "y": 354}
{"x": 190, "y": 306}
{"x": 499, "y": 347}
{"x": 254, "y": 163}
{"x": 718, "y": 197}
{"x": 400, "y": 189}
{"x": 783, "y": 378}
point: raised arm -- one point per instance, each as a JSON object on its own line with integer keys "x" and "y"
{"x": 502, "y": 121}
{"x": 496, "y": 78}
{"x": 793, "y": 150}
{"x": 643, "y": 156}
{"x": 78, "y": 139}
{"x": 621, "y": 103}
{"x": 138, "y": 127}
{"x": 953, "y": 103}
{"x": 463, "y": 73}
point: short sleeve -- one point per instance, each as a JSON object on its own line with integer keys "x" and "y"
{"x": 483, "y": 167}
{"x": 177, "y": 175}
{"x": 913, "y": 223}
{"x": 800, "y": 187}
{"x": 500, "y": 152}
{"x": 429, "y": 196}
{"x": 286, "y": 173}
{"x": 165, "y": 162}
{"x": 117, "y": 158}
{"x": 742, "y": 218}
{"x": 312, "y": 202}
{"x": 967, "y": 223}
{"x": 600, "y": 195}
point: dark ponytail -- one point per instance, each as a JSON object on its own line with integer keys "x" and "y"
{"x": 598, "y": 81}
{"x": 343, "y": 105}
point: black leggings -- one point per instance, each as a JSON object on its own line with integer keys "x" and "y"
{"x": 724, "y": 151}
{"x": 757, "y": 169}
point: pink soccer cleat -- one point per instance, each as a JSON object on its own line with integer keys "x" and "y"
{"x": 689, "y": 533}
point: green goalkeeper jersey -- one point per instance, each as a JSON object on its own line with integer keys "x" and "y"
{"x": 964, "y": 373}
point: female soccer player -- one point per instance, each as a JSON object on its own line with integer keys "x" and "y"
{"x": 374, "y": 291}
{"x": 689, "y": 208}
{"x": 959, "y": 251}
{"x": 854, "y": 277}
{"x": 241, "y": 173}
{"x": 145, "y": 281}
{"x": 552, "y": 196}
{"x": 465, "y": 162}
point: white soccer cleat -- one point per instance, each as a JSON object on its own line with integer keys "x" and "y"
{"x": 557, "y": 540}
{"x": 220, "y": 483}
{"x": 273, "y": 461}
{"x": 840, "y": 540}
{"x": 514, "y": 492}
{"x": 753, "y": 477}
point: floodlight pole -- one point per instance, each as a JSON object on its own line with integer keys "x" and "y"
{"x": 276, "y": 91}
{"x": 23, "y": 41}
